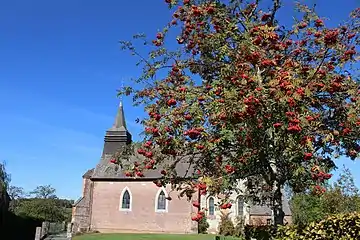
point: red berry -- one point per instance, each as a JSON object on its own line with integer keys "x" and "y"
{"x": 159, "y": 35}
{"x": 308, "y": 156}
{"x": 196, "y": 204}
{"x": 171, "y": 102}
{"x": 188, "y": 117}
{"x": 149, "y": 154}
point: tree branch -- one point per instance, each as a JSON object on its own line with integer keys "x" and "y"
{"x": 276, "y": 6}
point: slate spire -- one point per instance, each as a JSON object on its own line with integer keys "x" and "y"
{"x": 117, "y": 136}
{"x": 119, "y": 123}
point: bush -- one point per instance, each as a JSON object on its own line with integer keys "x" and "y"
{"x": 226, "y": 226}
{"x": 337, "y": 227}
{"x": 239, "y": 227}
{"x": 203, "y": 225}
{"x": 261, "y": 232}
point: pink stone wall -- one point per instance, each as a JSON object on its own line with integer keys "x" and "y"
{"x": 107, "y": 215}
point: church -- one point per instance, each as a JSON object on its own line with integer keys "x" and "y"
{"x": 113, "y": 202}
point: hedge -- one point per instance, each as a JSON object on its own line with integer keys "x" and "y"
{"x": 336, "y": 227}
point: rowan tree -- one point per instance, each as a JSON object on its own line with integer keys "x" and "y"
{"x": 243, "y": 96}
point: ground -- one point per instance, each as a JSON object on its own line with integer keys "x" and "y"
{"x": 147, "y": 237}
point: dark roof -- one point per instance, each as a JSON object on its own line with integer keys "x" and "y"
{"x": 88, "y": 173}
{"x": 107, "y": 170}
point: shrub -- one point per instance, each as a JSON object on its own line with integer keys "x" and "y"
{"x": 336, "y": 227}
{"x": 203, "y": 225}
{"x": 239, "y": 227}
{"x": 259, "y": 232}
{"x": 226, "y": 226}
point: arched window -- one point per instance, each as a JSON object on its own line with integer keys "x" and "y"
{"x": 240, "y": 206}
{"x": 125, "y": 200}
{"x": 211, "y": 206}
{"x": 161, "y": 201}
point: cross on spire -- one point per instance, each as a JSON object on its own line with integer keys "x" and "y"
{"x": 122, "y": 87}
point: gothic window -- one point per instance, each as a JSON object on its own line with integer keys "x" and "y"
{"x": 211, "y": 206}
{"x": 126, "y": 200}
{"x": 161, "y": 201}
{"x": 240, "y": 206}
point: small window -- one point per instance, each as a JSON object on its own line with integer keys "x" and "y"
{"x": 161, "y": 201}
{"x": 268, "y": 221}
{"x": 126, "y": 200}
{"x": 211, "y": 206}
{"x": 240, "y": 206}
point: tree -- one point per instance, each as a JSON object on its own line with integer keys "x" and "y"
{"x": 5, "y": 177}
{"x": 44, "y": 206}
{"x": 306, "y": 208}
{"x": 15, "y": 193}
{"x": 44, "y": 192}
{"x": 4, "y": 199}
{"x": 44, "y": 209}
{"x": 245, "y": 96}
{"x": 340, "y": 198}
{"x": 343, "y": 196}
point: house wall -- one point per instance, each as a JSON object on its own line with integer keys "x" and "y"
{"x": 107, "y": 215}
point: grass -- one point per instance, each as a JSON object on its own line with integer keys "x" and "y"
{"x": 131, "y": 236}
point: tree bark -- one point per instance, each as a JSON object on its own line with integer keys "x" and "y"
{"x": 278, "y": 213}
{"x": 277, "y": 206}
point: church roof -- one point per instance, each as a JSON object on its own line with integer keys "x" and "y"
{"x": 88, "y": 173}
{"x": 106, "y": 170}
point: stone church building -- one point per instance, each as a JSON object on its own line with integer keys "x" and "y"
{"x": 112, "y": 202}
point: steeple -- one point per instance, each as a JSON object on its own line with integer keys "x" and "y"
{"x": 119, "y": 123}
{"x": 117, "y": 136}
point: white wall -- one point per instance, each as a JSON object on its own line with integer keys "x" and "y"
{"x": 215, "y": 220}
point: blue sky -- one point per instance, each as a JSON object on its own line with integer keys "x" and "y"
{"x": 60, "y": 66}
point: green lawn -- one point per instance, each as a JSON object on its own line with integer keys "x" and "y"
{"x": 129, "y": 236}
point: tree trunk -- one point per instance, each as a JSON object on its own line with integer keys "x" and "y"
{"x": 278, "y": 213}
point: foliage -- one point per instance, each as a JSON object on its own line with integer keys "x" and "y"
{"x": 5, "y": 177}
{"x": 306, "y": 208}
{"x": 239, "y": 227}
{"x": 226, "y": 226}
{"x": 341, "y": 197}
{"x": 203, "y": 225}
{"x": 15, "y": 194}
{"x": 42, "y": 209}
{"x": 243, "y": 95}
{"x": 44, "y": 192}
{"x": 337, "y": 227}
{"x": 261, "y": 232}
{"x": 45, "y": 206}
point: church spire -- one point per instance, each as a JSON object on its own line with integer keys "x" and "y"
{"x": 119, "y": 123}
{"x": 117, "y": 136}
